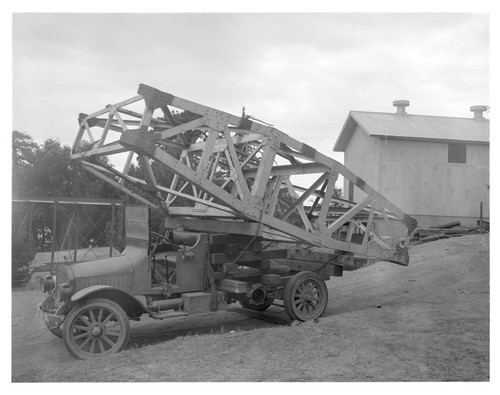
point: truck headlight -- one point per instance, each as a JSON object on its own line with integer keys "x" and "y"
{"x": 47, "y": 283}
{"x": 63, "y": 292}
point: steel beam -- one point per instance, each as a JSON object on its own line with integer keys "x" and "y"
{"x": 233, "y": 172}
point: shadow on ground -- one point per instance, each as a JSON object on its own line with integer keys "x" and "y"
{"x": 235, "y": 319}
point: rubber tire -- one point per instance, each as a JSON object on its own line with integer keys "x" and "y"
{"x": 97, "y": 303}
{"x": 290, "y": 294}
{"x": 55, "y": 331}
{"x": 260, "y": 307}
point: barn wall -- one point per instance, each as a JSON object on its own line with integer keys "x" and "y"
{"x": 416, "y": 176}
{"x": 362, "y": 158}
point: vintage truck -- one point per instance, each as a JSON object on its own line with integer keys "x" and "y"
{"x": 237, "y": 227}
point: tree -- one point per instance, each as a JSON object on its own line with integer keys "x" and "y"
{"x": 23, "y": 152}
{"x": 47, "y": 170}
{"x": 23, "y": 149}
{"x": 52, "y": 174}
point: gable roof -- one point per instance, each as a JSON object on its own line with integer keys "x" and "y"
{"x": 414, "y": 127}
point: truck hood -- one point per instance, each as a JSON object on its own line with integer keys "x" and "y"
{"x": 116, "y": 271}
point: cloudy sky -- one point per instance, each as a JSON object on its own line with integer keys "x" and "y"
{"x": 302, "y": 73}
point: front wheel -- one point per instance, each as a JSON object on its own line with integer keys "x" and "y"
{"x": 305, "y": 297}
{"x": 94, "y": 328}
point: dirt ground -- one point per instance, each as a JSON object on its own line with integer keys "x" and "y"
{"x": 425, "y": 322}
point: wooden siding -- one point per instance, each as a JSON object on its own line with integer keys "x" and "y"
{"x": 362, "y": 158}
{"x": 416, "y": 176}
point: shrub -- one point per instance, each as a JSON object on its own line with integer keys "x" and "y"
{"x": 21, "y": 254}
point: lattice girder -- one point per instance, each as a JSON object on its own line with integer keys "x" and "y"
{"x": 235, "y": 167}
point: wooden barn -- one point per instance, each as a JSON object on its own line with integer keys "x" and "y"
{"x": 435, "y": 168}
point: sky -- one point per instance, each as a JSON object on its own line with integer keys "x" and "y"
{"x": 301, "y": 72}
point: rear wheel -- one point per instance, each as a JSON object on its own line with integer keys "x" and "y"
{"x": 94, "y": 328}
{"x": 305, "y": 297}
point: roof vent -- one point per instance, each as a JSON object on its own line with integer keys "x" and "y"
{"x": 401, "y": 106}
{"x": 478, "y": 112}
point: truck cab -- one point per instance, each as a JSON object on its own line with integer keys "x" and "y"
{"x": 89, "y": 304}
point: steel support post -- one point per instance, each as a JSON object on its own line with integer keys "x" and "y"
{"x": 54, "y": 223}
{"x": 30, "y": 223}
{"x": 75, "y": 227}
{"x": 112, "y": 230}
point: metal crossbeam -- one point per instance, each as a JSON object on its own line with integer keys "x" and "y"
{"x": 234, "y": 166}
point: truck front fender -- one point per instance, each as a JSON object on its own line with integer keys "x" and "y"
{"x": 132, "y": 306}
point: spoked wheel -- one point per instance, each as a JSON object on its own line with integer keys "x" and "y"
{"x": 306, "y": 296}
{"x": 94, "y": 328}
{"x": 259, "y": 307}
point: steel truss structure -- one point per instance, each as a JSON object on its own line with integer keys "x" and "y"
{"x": 72, "y": 235}
{"x": 237, "y": 173}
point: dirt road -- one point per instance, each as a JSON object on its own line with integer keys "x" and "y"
{"x": 426, "y": 322}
